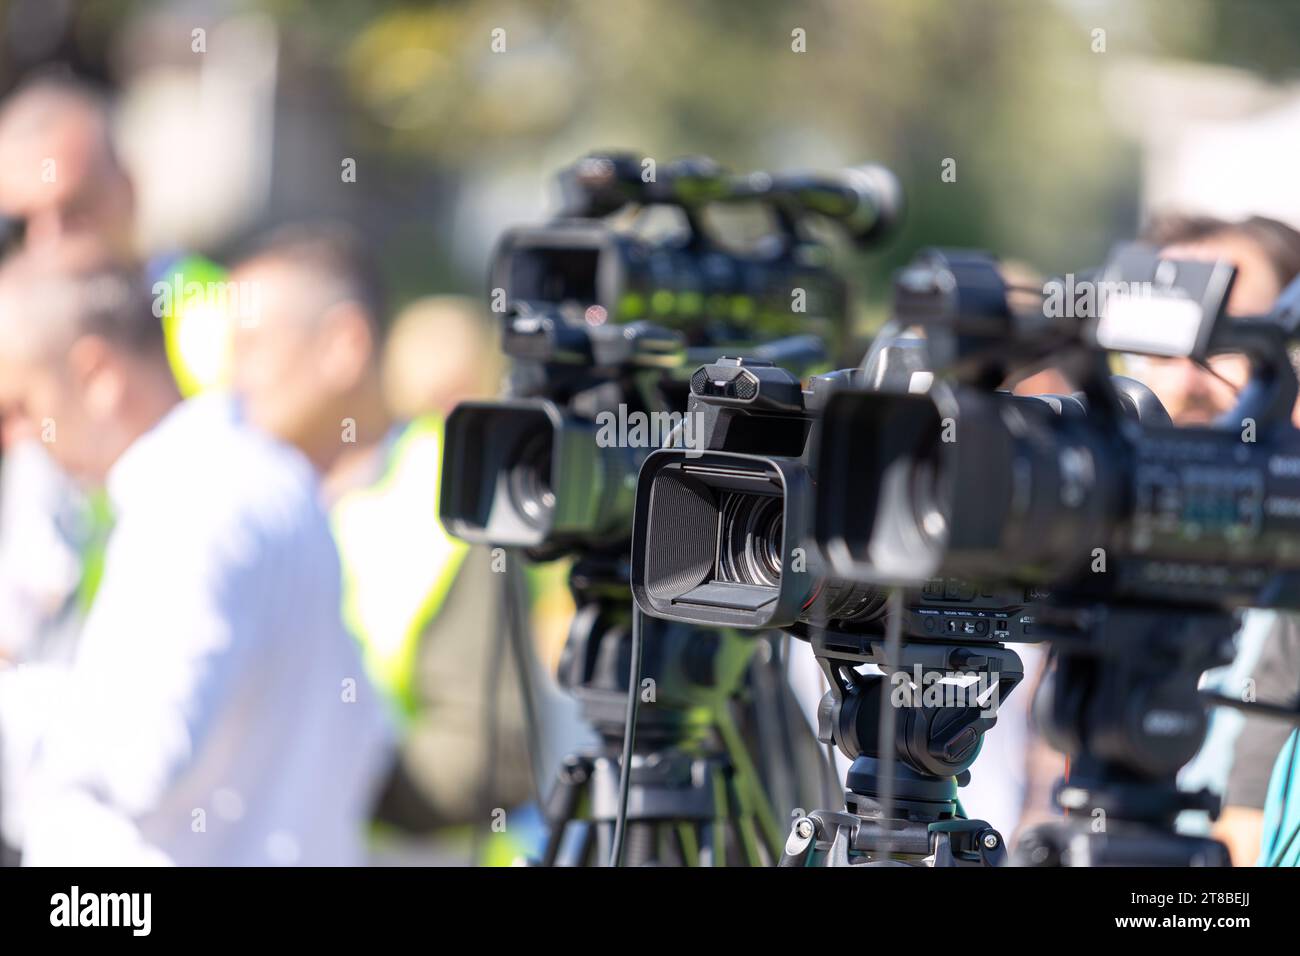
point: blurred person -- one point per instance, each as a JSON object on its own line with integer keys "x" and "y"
{"x": 423, "y": 605}
{"x": 62, "y": 186}
{"x": 60, "y": 175}
{"x": 65, "y": 188}
{"x": 63, "y": 180}
{"x": 438, "y": 352}
{"x": 1240, "y": 749}
{"x": 43, "y": 530}
{"x": 1266, "y": 669}
{"x": 1267, "y": 256}
{"x": 1272, "y": 839}
{"x": 215, "y": 711}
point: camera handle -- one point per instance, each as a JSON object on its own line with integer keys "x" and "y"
{"x": 1270, "y": 394}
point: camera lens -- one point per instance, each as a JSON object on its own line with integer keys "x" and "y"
{"x": 850, "y": 602}
{"x": 752, "y": 539}
{"x": 750, "y": 552}
{"x": 530, "y": 479}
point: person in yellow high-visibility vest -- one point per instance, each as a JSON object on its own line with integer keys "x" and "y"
{"x": 198, "y": 306}
{"x": 308, "y": 369}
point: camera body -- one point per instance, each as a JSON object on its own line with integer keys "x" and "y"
{"x": 594, "y": 265}
{"x": 543, "y": 469}
{"x": 957, "y": 610}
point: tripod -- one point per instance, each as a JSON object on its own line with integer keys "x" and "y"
{"x": 1122, "y": 700}
{"x": 901, "y": 808}
{"x": 694, "y": 795}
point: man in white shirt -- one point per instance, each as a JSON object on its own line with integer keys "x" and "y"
{"x": 216, "y": 711}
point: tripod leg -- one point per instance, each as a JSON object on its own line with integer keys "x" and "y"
{"x": 640, "y": 849}
{"x": 574, "y": 844}
{"x": 562, "y": 805}
{"x": 749, "y": 840}
{"x": 715, "y": 843}
{"x": 751, "y": 797}
{"x": 604, "y": 841}
{"x": 688, "y": 843}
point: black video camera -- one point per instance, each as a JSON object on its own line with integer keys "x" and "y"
{"x": 594, "y": 266}
{"x": 1103, "y": 502}
{"x": 722, "y": 534}
{"x": 1148, "y": 536}
{"x": 604, "y": 324}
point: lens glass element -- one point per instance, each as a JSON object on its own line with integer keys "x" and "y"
{"x": 530, "y": 478}
{"x": 750, "y": 548}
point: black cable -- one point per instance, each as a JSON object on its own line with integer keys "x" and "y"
{"x": 629, "y": 738}
{"x": 886, "y": 748}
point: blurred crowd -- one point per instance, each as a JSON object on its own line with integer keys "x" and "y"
{"x": 232, "y": 629}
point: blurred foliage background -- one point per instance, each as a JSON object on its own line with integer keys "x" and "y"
{"x": 454, "y": 141}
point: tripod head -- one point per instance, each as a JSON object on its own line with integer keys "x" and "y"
{"x": 942, "y": 720}
{"x": 902, "y": 803}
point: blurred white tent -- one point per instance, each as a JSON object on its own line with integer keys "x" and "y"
{"x": 1214, "y": 140}
{"x": 197, "y": 128}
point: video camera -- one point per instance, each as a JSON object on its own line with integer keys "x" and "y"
{"x": 994, "y": 512}
{"x": 604, "y": 322}
{"x": 1147, "y": 536}
{"x": 1100, "y": 499}
{"x": 722, "y": 538}
{"x": 723, "y": 535}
